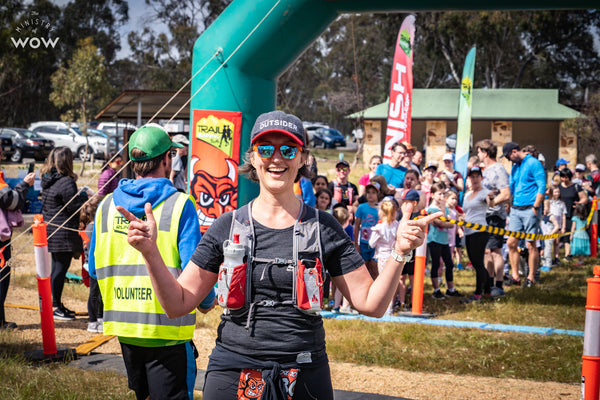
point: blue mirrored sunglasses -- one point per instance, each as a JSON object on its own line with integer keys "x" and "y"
{"x": 264, "y": 151}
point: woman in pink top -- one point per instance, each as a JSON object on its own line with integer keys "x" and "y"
{"x": 366, "y": 178}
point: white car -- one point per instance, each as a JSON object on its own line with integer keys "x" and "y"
{"x": 63, "y": 135}
{"x": 111, "y": 128}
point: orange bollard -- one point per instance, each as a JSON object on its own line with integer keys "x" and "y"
{"x": 594, "y": 229}
{"x": 419, "y": 282}
{"x": 590, "y": 375}
{"x": 42, "y": 263}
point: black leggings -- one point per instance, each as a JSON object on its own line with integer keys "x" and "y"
{"x": 436, "y": 251}
{"x": 312, "y": 383}
{"x": 5, "y": 276}
{"x": 95, "y": 305}
{"x": 60, "y": 265}
{"x": 476, "y": 243}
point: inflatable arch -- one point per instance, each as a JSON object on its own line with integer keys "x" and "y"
{"x": 237, "y": 60}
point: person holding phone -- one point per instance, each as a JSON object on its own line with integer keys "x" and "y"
{"x": 61, "y": 201}
{"x": 271, "y": 333}
{"x": 10, "y": 200}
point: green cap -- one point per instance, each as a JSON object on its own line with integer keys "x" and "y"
{"x": 153, "y": 140}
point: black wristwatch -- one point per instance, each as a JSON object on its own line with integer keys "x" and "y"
{"x": 536, "y": 208}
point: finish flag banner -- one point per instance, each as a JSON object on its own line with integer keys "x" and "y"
{"x": 399, "y": 113}
{"x": 463, "y": 132}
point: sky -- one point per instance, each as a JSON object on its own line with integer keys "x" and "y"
{"x": 139, "y": 15}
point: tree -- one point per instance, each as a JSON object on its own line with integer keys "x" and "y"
{"x": 529, "y": 49}
{"x": 80, "y": 87}
{"x": 163, "y": 61}
{"x": 348, "y": 67}
{"x": 587, "y": 127}
{"x": 25, "y": 71}
{"x": 98, "y": 19}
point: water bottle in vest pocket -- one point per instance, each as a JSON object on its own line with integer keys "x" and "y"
{"x": 237, "y": 290}
{"x": 231, "y": 281}
{"x": 309, "y": 285}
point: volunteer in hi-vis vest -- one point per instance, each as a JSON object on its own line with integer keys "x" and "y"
{"x": 269, "y": 258}
{"x": 157, "y": 350}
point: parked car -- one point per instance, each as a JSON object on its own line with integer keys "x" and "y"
{"x": 27, "y": 144}
{"x": 113, "y": 140}
{"x": 111, "y": 128}
{"x": 311, "y": 128}
{"x": 64, "y": 135}
{"x": 7, "y": 147}
{"x": 328, "y": 138}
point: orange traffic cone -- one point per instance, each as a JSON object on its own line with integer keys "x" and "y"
{"x": 590, "y": 375}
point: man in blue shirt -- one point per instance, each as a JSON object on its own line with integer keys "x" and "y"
{"x": 397, "y": 167}
{"x": 527, "y": 187}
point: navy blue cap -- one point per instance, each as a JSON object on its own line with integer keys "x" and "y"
{"x": 411, "y": 195}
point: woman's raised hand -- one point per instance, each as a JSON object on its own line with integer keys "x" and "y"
{"x": 411, "y": 233}
{"x": 141, "y": 235}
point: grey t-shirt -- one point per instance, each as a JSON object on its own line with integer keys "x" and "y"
{"x": 179, "y": 178}
{"x": 495, "y": 178}
{"x": 276, "y": 333}
{"x": 475, "y": 209}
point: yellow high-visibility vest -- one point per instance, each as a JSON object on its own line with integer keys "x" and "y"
{"x": 131, "y": 308}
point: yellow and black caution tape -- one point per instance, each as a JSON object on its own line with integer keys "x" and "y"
{"x": 494, "y": 230}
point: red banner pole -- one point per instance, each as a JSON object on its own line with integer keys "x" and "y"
{"x": 399, "y": 112}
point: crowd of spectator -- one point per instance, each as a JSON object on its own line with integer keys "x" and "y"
{"x": 524, "y": 199}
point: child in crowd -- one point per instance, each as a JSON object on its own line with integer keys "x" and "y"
{"x": 411, "y": 181}
{"x": 366, "y": 218}
{"x": 428, "y": 180}
{"x": 383, "y": 237}
{"x": 580, "y": 241}
{"x": 320, "y": 182}
{"x": 456, "y": 233}
{"x": 559, "y": 210}
{"x": 95, "y": 305}
{"x": 437, "y": 242}
{"x": 579, "y": 176}
{"x": 549, "y": 226}
{"x": 323, "y": 200}
{"x": 342, "y": 215}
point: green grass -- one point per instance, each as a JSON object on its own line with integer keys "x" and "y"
{"x": 558, "y": 302}
{"x": 21, "y": 379}
{"x": 423, "y": 348}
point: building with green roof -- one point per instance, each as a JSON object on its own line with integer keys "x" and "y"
{"x": 525, "y": 116}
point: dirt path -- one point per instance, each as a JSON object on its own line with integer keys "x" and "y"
{"x": 351, "y": 377}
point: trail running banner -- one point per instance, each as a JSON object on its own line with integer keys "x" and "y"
{"x": 213, "y": 165}
{"x": 463, "y": 132}
{"x": 399, "y": 113}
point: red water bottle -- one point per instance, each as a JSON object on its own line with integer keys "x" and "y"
{"x": 337, "y": 194}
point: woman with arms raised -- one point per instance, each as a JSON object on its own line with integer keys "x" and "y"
{"x": 271, "y": 335}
